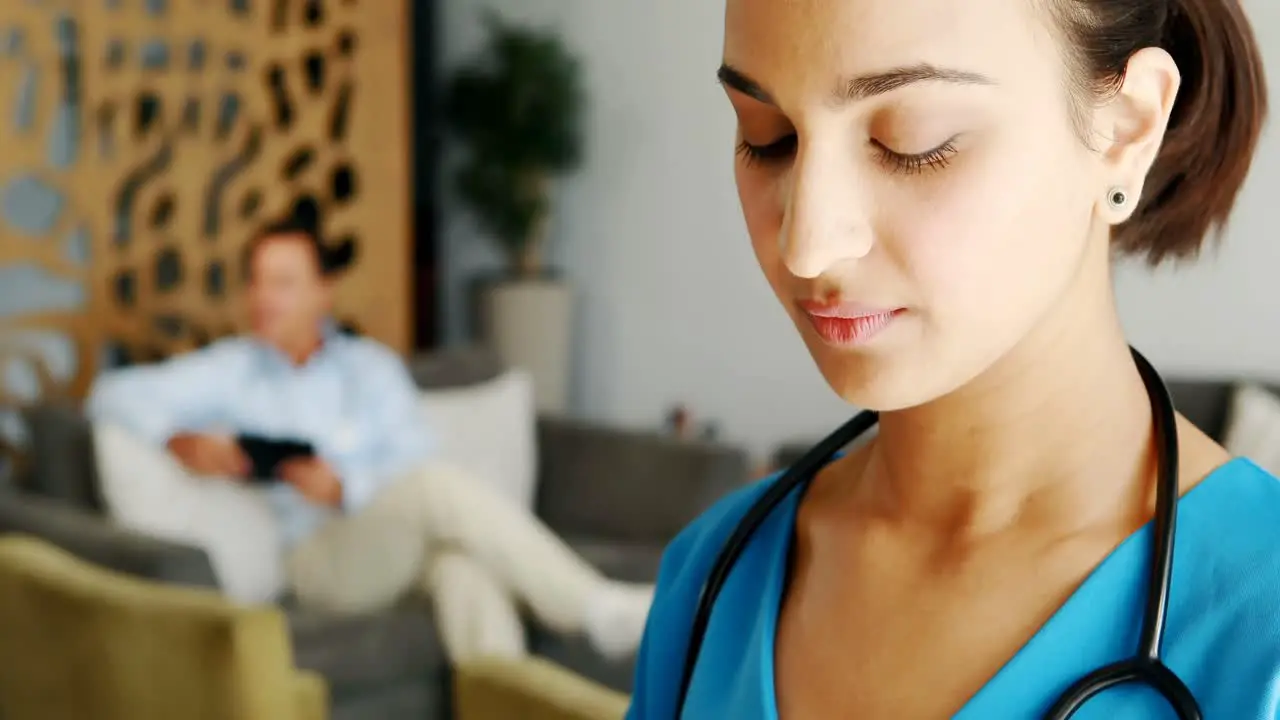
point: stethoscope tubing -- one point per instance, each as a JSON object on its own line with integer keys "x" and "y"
{"x": 1145, "y": 667}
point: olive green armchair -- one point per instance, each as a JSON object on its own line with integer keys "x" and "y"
{"x": 532, "y": 689}
{"x": 78, "y": 641}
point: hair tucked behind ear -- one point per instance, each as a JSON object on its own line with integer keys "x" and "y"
{"x": 1216, "y": 120}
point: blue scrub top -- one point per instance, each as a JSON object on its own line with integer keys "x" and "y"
{"x": 1222, "y": 636}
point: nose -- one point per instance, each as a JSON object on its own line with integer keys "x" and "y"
{"x": 824, "y": 223}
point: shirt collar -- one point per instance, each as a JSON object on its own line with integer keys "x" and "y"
{"x": 331, "y": 337}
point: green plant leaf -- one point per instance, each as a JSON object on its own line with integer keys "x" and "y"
{"x": 517, "y": 110}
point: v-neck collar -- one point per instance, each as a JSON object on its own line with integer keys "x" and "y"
{"x": 1117, "y": 583}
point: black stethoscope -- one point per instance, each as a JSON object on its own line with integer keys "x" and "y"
{"x": 1145, "y": 667}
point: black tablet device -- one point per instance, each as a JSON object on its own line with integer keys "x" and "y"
{"x": 266, "y": 453}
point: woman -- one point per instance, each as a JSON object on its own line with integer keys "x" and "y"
{"x": 934, "y": 191}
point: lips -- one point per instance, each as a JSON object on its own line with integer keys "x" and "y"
{"x": 847, "y": 324}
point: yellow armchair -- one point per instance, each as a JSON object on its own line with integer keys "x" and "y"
{"x": 79, "y": 642}
{"x": 531, "y": 689}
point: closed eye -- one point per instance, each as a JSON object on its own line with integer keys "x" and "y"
{"x": 906, "y": 163}
{"x": 780, "y": 149}
{"x": 914, "y": 163}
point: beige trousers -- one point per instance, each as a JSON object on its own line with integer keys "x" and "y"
{"x": 479, "y": 555}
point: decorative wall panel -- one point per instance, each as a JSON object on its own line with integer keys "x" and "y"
{"x": 144, "y": 141}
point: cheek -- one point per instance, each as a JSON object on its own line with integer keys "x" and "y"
{"x": 761, "y": 194}
{"x": 997, "y": 240}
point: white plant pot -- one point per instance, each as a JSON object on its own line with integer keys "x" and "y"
{"x": 528, "y": 323}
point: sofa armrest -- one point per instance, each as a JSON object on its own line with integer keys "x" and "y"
{"x": 532, "y": 689}
{"x": 61, "y": 455}
{"x": 86, "y": 642}
{"x": 627, "y": 485}
{"x": 95, "y": 539}
{"x": 312, "y": 696}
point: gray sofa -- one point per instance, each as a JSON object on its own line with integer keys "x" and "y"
{"x": 617, "y": 496}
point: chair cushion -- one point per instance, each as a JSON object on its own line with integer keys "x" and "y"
{"x": 416, "y": 699}
{"x": 362, "y": 651}
{"x": 454, "y": 367}
{"x": 1253, "y": 426}
{"x": 487, "y": 430}
{"x": 92, "y": 538}
{"x": 1204, "y": 402}
{"x": 632, "y": 562}
{"x": 62, "y": 457}
{"x": 147, "y": 490}
{"x": 643, "y": 487}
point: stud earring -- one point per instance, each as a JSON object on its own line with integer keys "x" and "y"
{"x": 1117, "y": 198}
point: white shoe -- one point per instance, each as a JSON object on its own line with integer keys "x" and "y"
{"x": 616, "y": 616}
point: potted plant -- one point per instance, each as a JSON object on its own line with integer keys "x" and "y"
{"x": 516, "y": 110}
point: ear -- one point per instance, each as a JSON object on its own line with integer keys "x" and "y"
{"x": 328, "y": 288}
{"x": 1129, "y": 127}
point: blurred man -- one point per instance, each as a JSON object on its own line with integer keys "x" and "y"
{"x": 369, "y": 515}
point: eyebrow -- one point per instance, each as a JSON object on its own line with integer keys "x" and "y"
{"x": 862, "y": 87}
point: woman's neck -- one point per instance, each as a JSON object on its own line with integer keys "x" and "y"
{"x": 1057, "y": 434}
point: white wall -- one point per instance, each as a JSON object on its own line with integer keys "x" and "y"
{"x": 1221, "y": 316}
{"x": 672, "y": 305}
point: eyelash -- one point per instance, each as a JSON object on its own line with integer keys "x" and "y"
{"x": 907, "y": 164}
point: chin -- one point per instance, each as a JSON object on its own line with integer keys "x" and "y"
{"x": 266, "y": 333}
{"x": 880, "y": 376}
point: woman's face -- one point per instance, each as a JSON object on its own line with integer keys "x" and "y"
{"x": 914, "y": 188}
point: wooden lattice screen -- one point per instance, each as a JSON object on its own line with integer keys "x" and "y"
{"x": 143, "y": 141}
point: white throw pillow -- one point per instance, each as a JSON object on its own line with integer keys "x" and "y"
{"x": 1253, "y": 427}
{"x": 488, "y": 430}
{"x": 147, "y": 490}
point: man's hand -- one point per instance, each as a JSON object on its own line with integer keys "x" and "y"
{"x": 210, "y": 454}
{"x": 314, "y": 479}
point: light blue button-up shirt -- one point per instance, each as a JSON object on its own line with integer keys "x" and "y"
{"x": 353, "y": 400}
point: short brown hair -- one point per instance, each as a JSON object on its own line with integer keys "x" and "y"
{"x": 1215, "y": 123}
{"x": 291, "y": 226}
